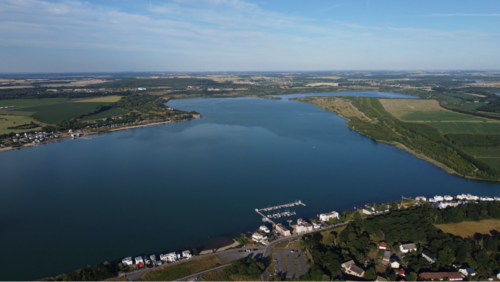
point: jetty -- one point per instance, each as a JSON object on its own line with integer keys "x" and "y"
{"x": 272, "y": 212}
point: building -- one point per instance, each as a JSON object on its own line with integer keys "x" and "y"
{"x": 406, "y": 248}
{"x": 382, "y": 246}
{"x": 127, "y": 261}
{"x": 171, "y": 257}
{"x": 139, "y": 261}
{"x": 453, "y": 276}
{"x": 147, "y": 260}
{"x": 394, "y": 262}
{"x": 368, "y": 212}
{"x": 264, "y": 228}
{"x": 283, "y": 230}
{"x": 401, "y": 272}
{"x": 387, "y": 257}
{"x": 153, "y": 257}
{"x": 380, "y": 279}
{"x": 327, "y": 216}
{"x": 438, "y": 198}
{"x": 316, "y": 225}
{"x": 186, "y": 254}
{"x": 430, "y": 257}
{"x": 467, "y": 271}
{"x": 352, "y": 269}
{"x": 141, "y": 89}
{"x": 447, "y": 198}
{"x": 257, "y": 237}
{"x": 303, "y": 226}
{"x": 420, "y": 198}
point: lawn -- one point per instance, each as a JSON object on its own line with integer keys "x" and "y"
{"x": 452, "y": 99}
{"x": 217, "y": 275}
{"x": 30, "y": 102}
{"x": 106, "y": 114}
{"x": 469, "y": 228}
{"x": 10, "y": 121}
{"x": 493, "y": 162}
{"x": 53, "y": 114}
{"x": 107, "y": 99}
{"x": 467, "y": 127}
{"x": 171, "y": 273}
{"x": 374, "y": 106}
{"x": 423, "y": 110}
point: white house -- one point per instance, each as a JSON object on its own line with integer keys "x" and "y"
{"x": 368, "y": 212}
{"x": 127, "y": 261}
{"x": 438, "y": 198}
{"x": 327, "y": 216}
{"x": 351, "y": 268}
{"x": 430, "y": 257}
{"x": 394, "y": 262}
{"x": 467, "y": 271}
{"x": 443, "y": 205}
{"x": 257, "y": 237}
{"x": 186, "y": 254}
{"x": 171, "y": 257}
{"x": 406, "y": 248}
{"x": 139, "y": 260}
{"x": 420, "y": 198}
{"x": 316, "y": 225}
{"x": 447, "y": 198}
{"x": 264, "y": 228}
{"x": 147, "y": 260}
{"x": 283, "y": 230}
{"x": 141, "y": 88}
{"x": 303, "y": 226}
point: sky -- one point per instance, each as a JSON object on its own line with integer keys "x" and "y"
{"x": 239, "y": 35}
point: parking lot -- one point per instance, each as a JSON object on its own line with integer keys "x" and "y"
{"x": 290, "y": 263}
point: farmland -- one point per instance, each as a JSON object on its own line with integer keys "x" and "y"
{"x": 106, "y": 114}
{"x": 107, "y": 99}
{"x": 30, "y": 102}
{"x": 493, "y": 152}
{"x": 11, "y": 121}
{"x": 467, "y": 229}
{"x": 494, "y": 162}
{"x": 423, "y": 110}
{"x": 472, "y": 106}
{"x": 467, "y": 127}
{"x": 52, "y": 114}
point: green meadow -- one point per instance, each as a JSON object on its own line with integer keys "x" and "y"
{"x": 30, "y": 102}
{"x": 467, "y": 127}
{"x": 106, "y": 114}
{"x": 53, "y": 114}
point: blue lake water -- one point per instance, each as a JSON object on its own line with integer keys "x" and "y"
{"x": 170, "y": 187}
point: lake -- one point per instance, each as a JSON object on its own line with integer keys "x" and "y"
{"x": 170, "y": 187}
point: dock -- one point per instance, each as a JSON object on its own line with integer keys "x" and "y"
{"x": 270, "y": 210}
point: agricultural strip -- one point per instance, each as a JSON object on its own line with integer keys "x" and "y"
{"x": 174, "y": 272}
{"x": 52, "y": 114}
{"x": 472, "y": 106}
{"x": 107, "y": 99}
{"x": 106, "y": 114}
{"x": 482, "y": 153}
{"x": 469, "y": 228}
{"x": 467, "y": 127}
{"x": 30, "y": 102}
{"x": 494, "y": 162}
{"x": 11, "y": 121}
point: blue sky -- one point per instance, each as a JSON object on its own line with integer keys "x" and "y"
{"x": 238, "y": 35}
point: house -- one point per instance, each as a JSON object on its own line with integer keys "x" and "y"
{"x": 401, "y": 272}
{"x": 316, "y": 225}
{"x": 394, "y": 262}
{"x": 387, "y": 257}
{"x": 438, "y": 198}
{"x": 406, "y": 248}
{"x": 327, "y": 216}
{"x": 283, "y": 230}
{"x": 186, "y": 254}
{"x": 453, "y": 276}
{"x": 139, "y": 261}
{"x": 467, "y": 271}
{"x": 257, "y": 237}
{"x": 264, "y": 228}
{"x": 382, "y": 246}
{"x": 303, "y": 226}
{"x": 147, "y": 260}
{"x": 153, "y": 257}
{"x": 430, "y": 257}
{"x": 171, "y": 257}
{"x": 368, "y": 212}
{"x": 380, "y": 279}
{"x": 420, "y": 198}
{"x": 141, "y": 89}
{"x": 127, "y": 261}
{"x": 352, "y": 269}
{"x": 447, "y": 198}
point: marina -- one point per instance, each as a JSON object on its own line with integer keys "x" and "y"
{"x": 275, "y": 212}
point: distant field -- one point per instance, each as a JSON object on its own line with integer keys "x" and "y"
{"x": 174, "y": 272}
{"x": 16, "y": 87}
{"x": 423, "y": 110}
{"x": 472, "y": 106}
{"x": 467, "y": 127}
{"x": 30, "y": 102}
{"x": 107, "y": 99}
{"x": 323, "y": 83}
{"x": 374, "y": 106}
{"x": 106, "y": 114}
{"x": 492, "y": 152}
{"x": 10, "y": 121}
{"x": 329, "y": 77}
{"x": 52, "y": 114}
{"x": 469, "y": 228}
{"x": 493, "y": 162}
{"x": 452, "y": 99}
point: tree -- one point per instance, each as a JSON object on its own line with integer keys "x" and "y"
{"x": 195, "y": 252}
{"x": 371, "y": 274}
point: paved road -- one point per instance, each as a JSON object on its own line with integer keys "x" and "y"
{"x": 265, "y": 274}
{"x": 197, "y": 276}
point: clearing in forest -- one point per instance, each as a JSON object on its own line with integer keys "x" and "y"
{"x": 469, "y": 228}
{"x": 423, "y": 110}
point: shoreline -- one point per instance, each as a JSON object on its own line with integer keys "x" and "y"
{"x": 66, "y": 136}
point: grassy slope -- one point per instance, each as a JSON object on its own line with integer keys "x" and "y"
{"x": 469, "y": 228}
{"x": 174, "y": 272}
{"x": 10, "y": 121}
{"x": 52, "y": 114}
{"x": 30, "y": 102}
{"x": 493, "y": 152}
{"x": 467, "y": 127}
{"x": 472, "y": 106}
{"x": 439, "y": 116}
{"x": 109, "y": 113}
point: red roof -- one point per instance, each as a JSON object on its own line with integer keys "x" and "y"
{"x": 382, "y": 245}
{"x": 440, "y": 275}
{"x": 401, "y": 271}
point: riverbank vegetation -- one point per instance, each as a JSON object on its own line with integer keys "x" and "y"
{"x": 181, "y": 270}
{"x": 370, "y": 118}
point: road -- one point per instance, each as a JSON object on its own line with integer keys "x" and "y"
{"x": 197, "y": 276}
{"x": 265, "y": 274}
{"x": 400, "y": 258}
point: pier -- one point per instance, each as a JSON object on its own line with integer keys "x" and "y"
{"x": 272, "y": 214}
